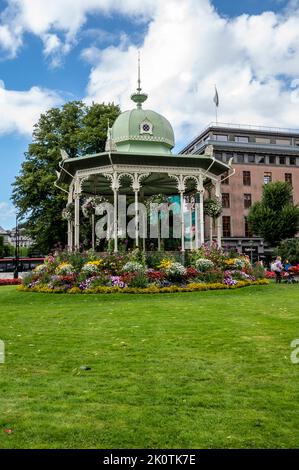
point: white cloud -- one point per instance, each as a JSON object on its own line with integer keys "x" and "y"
{"x": 7, "y": 210}
{"x": 20, "y": 110}
{"x": 188, "y": 48}
{"x": 57, "y": 22}
{"x": 9, "y": 41}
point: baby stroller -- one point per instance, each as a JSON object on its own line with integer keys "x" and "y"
{"x": 290, "y": 276}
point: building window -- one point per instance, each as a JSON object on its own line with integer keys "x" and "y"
{"x": 272, "y": 159}
{"x": 282, "y": 160}
{"x": 283, "y": 142}
{"x": 267, "y": 177}
{"x": 240, "y": 157}
{"x": 225, "y": 200}
{"x": 292, "y": 160}
{"x": 226, "y": 226}
{"x": 288, "y": 178}
{"x": 218, "y": 155}
{"x": 247, "y": 232}
{"x": 242, "y": 139}
{"x": 262, "y": 140}
{"x": 246, "y": 178}
{"x": 221, "y": 137}
{"x": 247, "y": 201}
{"x": 224, "y": 178}
{"x": 260, "y": 160}
{"x": 251, "y": 158}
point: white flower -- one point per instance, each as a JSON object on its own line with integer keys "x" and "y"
{"x": 133, "y": 266}
{"x": 175, "y": 268}
{"x": 204, "y": 264}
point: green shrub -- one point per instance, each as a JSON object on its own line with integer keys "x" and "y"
{"x": 154, "y": 258}
{"x": 215, "y": 275}
{"x": 258, "y": 271}
{"x": 140, "y": 281}
{"x": 289, "y": 249}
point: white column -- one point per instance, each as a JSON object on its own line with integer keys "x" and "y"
{"x": 70, "y": 235}
{"x": 136, "y": 219}
{"x": 115, "y": 224}
{"x": 93, "y": 232}
{"x": 190, "y": 223}
{"x": 196, "y": 223}
{"x": 114, "y": 184}
{"x": 201, "y": 218}
{"x": 136, "y": 186}
{"x": 70, "y": 224}
{"x": 144, "y": 234}
{"x": 77, "y": 221}
{"x": 219, "y": 231}
{"x": 219, "y": 219}
{"x": 182, "y": 220}
{"x": 211, "y": 223}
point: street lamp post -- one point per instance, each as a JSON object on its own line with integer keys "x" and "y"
{"x": 251, "y": 251}
{"x": 17, "y": 251}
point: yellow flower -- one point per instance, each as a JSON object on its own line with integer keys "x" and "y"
{"x": 62, "y": 265}
{"x": 230, "y": 261}
{"x": 165, "y": 264}
{"x": 97, "y": 262}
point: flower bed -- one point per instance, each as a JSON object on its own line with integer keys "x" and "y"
{"x": 206, "y": 268}
{"x": 153, "y": 289}
{"x": 10, "y": 282}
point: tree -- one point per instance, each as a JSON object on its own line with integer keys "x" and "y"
{"x": 289, "y": 249}
{"x": 275, "y": 217}
{"x": 78, "y": 129}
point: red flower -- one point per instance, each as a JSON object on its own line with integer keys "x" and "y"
{"x": 10, "y": 282}
{"x": 69, "y": 278}
{"x": 127, "y": 277}
{"x": 191, "y": 272}
{"x": 155, "y": 275}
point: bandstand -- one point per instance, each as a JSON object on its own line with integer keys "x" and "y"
{"x": 138, "y": 162}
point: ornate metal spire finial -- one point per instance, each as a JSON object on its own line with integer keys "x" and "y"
{"x": 139, "y": 81}
{"x": 139, "y": 97}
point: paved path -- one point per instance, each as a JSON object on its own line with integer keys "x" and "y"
{"x": 8, "y": 275}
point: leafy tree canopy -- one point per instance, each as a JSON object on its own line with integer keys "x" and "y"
{"x": 275, "y": 217}
{"x": 79, "y": 130}
{"x": 289, "y": 250}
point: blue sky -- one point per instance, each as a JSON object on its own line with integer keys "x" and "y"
{"x": 87, "y": 49}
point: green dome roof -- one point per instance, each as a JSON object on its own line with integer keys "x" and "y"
{"x": 142, "y": 130}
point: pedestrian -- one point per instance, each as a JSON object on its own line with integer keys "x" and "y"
{"x": 287, "y": 265}
{"x": 277, "y": 268}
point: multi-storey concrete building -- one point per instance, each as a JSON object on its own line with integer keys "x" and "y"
{"x": 260, "y": 155}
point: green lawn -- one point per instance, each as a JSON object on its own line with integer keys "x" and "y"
{"x": 193, "y": 370}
